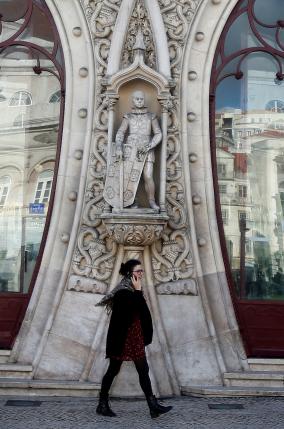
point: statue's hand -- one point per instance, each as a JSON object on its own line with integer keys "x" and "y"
{"x": 145, "y": 149}
{"x": 119, "y": 154}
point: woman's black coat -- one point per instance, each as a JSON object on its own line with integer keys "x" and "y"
{"x": 127, "y": 305}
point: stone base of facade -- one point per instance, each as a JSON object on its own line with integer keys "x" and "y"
{"x": 45, "y": 388}
{"x": 19, "y": 387}
{"x": 231, "y": 392}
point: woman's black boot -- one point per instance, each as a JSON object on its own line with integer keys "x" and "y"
{"x": 103, "y": 407}
{"x": 155, "y": 408}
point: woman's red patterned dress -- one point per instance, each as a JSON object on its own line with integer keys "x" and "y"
{"x": 134, "y": 347}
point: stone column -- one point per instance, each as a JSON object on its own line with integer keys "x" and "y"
{"x": 163, "y": 165}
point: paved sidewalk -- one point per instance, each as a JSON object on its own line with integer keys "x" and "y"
{"x": 79, "y": 413}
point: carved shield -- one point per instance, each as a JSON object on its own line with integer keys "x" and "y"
{"x": 133, "y": 165}
{"x": 112, "y": 184}
{"x": 129, "y": 172}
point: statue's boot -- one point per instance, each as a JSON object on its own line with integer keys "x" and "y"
{"x": 153, "y": 205}
{"x": 134, "y": 206}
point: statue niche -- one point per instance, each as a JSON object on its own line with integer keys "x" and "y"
{"x": 137, "y": 137}
{"x": 133, "y": 156}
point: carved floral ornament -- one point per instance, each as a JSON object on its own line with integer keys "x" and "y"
{"x": 139, "y": 21}
{"x": 134, "y": 234}
{"x": 171, "y": 254}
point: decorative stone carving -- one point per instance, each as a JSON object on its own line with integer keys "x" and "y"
{"x": 79, "y": 284}
{"x": 82, "y": 113}
{"x": 192, "y": 75}
{"x": 177, "y": 14}
{"x": 72, "y": 196}
{"x": 139, "y": 21}
{"x": 101, "y": 15}
{"x": 136, "y": 233}
{"x": 180, "y": 287}
{"x": 172, "y": 258}
{"x": 65, "y": 237}
{"x": 199, "y": 36}
{"x": 78, "y": 154}
{"x": 83, "y": 72}
{"x": 98, "y": 239}
{"x": 77, "y": 31}
{"x": 191, "y": 116}
{"x": 193, "y": 157}
{"x": 94, "y": 256}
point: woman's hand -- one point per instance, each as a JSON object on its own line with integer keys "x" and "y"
{"x": 136, "y": 282}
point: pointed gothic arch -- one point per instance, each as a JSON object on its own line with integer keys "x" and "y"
{"x": 159, "y": 36}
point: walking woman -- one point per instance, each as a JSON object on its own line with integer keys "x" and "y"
{"x": 130, "y": 330}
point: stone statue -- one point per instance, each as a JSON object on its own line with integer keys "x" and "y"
{"x": 132, "y": 155}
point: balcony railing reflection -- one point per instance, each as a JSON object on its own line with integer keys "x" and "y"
{"x": 235, "y": 200}
{"x": 39, "y": 115}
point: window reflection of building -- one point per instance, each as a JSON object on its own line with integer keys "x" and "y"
{"x": 5, "y": 182}
{"x": 43, "y": 188}
{"x": 21, "y": 98}
{"x": 28, "y": 143}
{"x": 250, "y": 167}
{"x": 243, "y": 191}
{"x": 55, "y": 98}
{"x": 275, "y": 106}
{"x": 222, "y": 189}
{"x": 222, "y": 170}
{"x": 224, "y": 214}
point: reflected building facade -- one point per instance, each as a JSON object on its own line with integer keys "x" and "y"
{"x": 29, "y": 111}
{"x": 31, "y": 84}
{"x": 250, "y": 167}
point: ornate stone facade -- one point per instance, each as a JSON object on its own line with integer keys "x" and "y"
{"x": 178, "y": 263}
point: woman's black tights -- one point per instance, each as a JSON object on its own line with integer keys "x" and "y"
{"x": 142, "y": 368}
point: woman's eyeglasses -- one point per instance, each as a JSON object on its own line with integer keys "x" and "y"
{"x": 138, "y": 271}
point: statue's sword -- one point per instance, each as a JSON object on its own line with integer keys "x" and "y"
{"x": 121, "y": 184}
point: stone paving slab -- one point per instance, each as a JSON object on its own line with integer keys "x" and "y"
{"x": 79, "y": 413}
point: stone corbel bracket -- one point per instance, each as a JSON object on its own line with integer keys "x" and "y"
{"x": 134, "y": 229}
{"x": 79, "y": 284}
{"x": 180, "y": 287}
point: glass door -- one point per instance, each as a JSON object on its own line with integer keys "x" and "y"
{"x": 247, "y": 130}
{"x": 31, "y": 116}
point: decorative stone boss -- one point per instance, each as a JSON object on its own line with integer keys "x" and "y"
{"x": 133, "y": 155}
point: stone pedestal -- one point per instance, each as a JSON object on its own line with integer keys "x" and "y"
{"x": 134, "y": 227}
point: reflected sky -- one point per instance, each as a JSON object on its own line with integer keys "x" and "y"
{"x": 269, "y": 11}
{"x": 228, "y": 94}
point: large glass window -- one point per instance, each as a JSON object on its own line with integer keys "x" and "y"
{"x": 247, "y": 92}
{"x": 30, "y": 126}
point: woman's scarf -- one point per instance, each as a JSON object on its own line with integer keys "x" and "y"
{"x": 107, "y": 301}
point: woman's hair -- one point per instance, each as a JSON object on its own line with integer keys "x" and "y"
{"x": 127, "y": 268}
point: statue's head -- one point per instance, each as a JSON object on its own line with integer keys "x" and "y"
{"x": 138, "y": 99}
